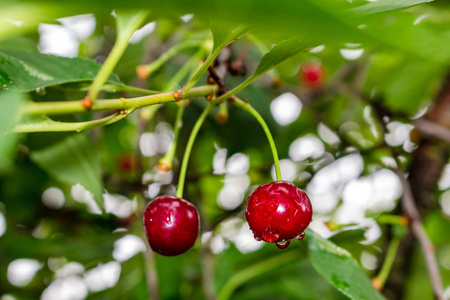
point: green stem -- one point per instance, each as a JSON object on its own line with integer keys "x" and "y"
{"x": 113, "y": 88}
{"x": 55, "y": 126}
{"x": 114, "y": 56}
{"x": 128, "y": 88}
{"x": 392, "y": 220}
{"x": 237, "y": 89}
{"x": 389, "y": 260}
{"x": 222, "y": 114}
{"x": 202, "y": 69}
{"x": 192, "y": 63}
{"x": 155, "y": 65}
{"x": 166, "y": 162}
{"x": 251, "y": 110}
{"x": 251, "y": 272}
{"x": 69, "y": 107}
{"x": 188, "y": 150}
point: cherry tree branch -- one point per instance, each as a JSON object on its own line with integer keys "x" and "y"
{"x": 69, "y": 107}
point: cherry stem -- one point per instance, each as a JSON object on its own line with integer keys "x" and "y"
{"x": 188, "y": 150}
{"x": 392, "y": 220}
{"x": 201, "y": 70}
{"x": 388, "y": 261}
{"x": 168, "y": 157}
{"x": 155, "y": 65}
{"x": 115, "y": 55}
{"x": 172, "y": 84}
{"x": 247, "y": 107}
{"x": 188, "y": 68}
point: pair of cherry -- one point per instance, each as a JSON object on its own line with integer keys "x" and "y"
{"x": 276, "y": 212}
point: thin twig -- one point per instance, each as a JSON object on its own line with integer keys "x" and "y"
{"x": 418, "y": 230}
{"x": 151, "y": 274}
{"x": 410, "y": 208}
{"x": 432, "y": 129}
{"x": 208, "y": 273}
{"x": 409, "y": 204}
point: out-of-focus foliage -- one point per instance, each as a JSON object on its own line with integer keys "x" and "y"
{"x": 54, "y": 186}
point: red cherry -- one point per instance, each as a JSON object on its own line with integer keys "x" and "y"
{"x": 127, "y": 162}
{"x": 171, "y": 225}
{"x": 278, "y": 212}
{"x": 312, "y": 74}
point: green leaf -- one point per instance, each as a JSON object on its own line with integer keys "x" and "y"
{"x": 340, "y": 269}
{"x": 10, "y": 103}
{"x": 326, "y": 21}
{"x": 410, "y": 85}
{"x": 27, "y": 71}
{"x": 279, "y": 53}
{"x": 282, "y": 51}
{"x": 71, "y": 161}
{"x": 386, "y": 5}
{"x": 225, "y": 32}
{"x": 128, "y": 21}
{"x": 48, "y": 125}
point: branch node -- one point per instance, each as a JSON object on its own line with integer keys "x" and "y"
{"x": 177, "y": 95}
{"x": 86, "y": 103}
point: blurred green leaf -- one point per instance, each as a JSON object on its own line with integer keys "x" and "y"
{"x": 410, "y": 85}
{"x": 326, "y": 21}
{"x": 279, "y": 53}
{"x": 349, "y": 236}
{"x": 225, "y": 32}
{"x": 71, "y": 161}
{"x": 27, "y": 71}
{"x": 124, "y": 18}
{"x": 282, "y": 51}
{"x": 386, "y": 5}
{"x": 10, "y": 103}
{"x": 48, "y": 125}
{"x": 340, "y": 269}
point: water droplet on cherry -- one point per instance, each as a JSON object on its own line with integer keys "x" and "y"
{"x": 301, "y": 236}
{"x": 283, "y": 244}
{"x": 278, "y": 211}
{"x": 270, "y": 234}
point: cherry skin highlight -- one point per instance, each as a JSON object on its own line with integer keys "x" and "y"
{"x": 278, "y": 212}
{"x": 171, "y": 225}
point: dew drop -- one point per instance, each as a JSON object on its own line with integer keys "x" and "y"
{"x": 40, "y": 91}
{"x": 283, "y": 244}
{"x": 301, "y": 236}
{"x": 270, "y": 234}
{"x": 257, "y": 237}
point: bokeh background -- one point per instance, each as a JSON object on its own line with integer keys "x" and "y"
{"x": 56, "y": 244}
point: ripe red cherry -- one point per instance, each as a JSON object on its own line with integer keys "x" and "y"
{"x": 127, "y": 162}
{"x": 312, "y": 74}
{"x": 171, "y": 225}
{"x": 278, "y": 212}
